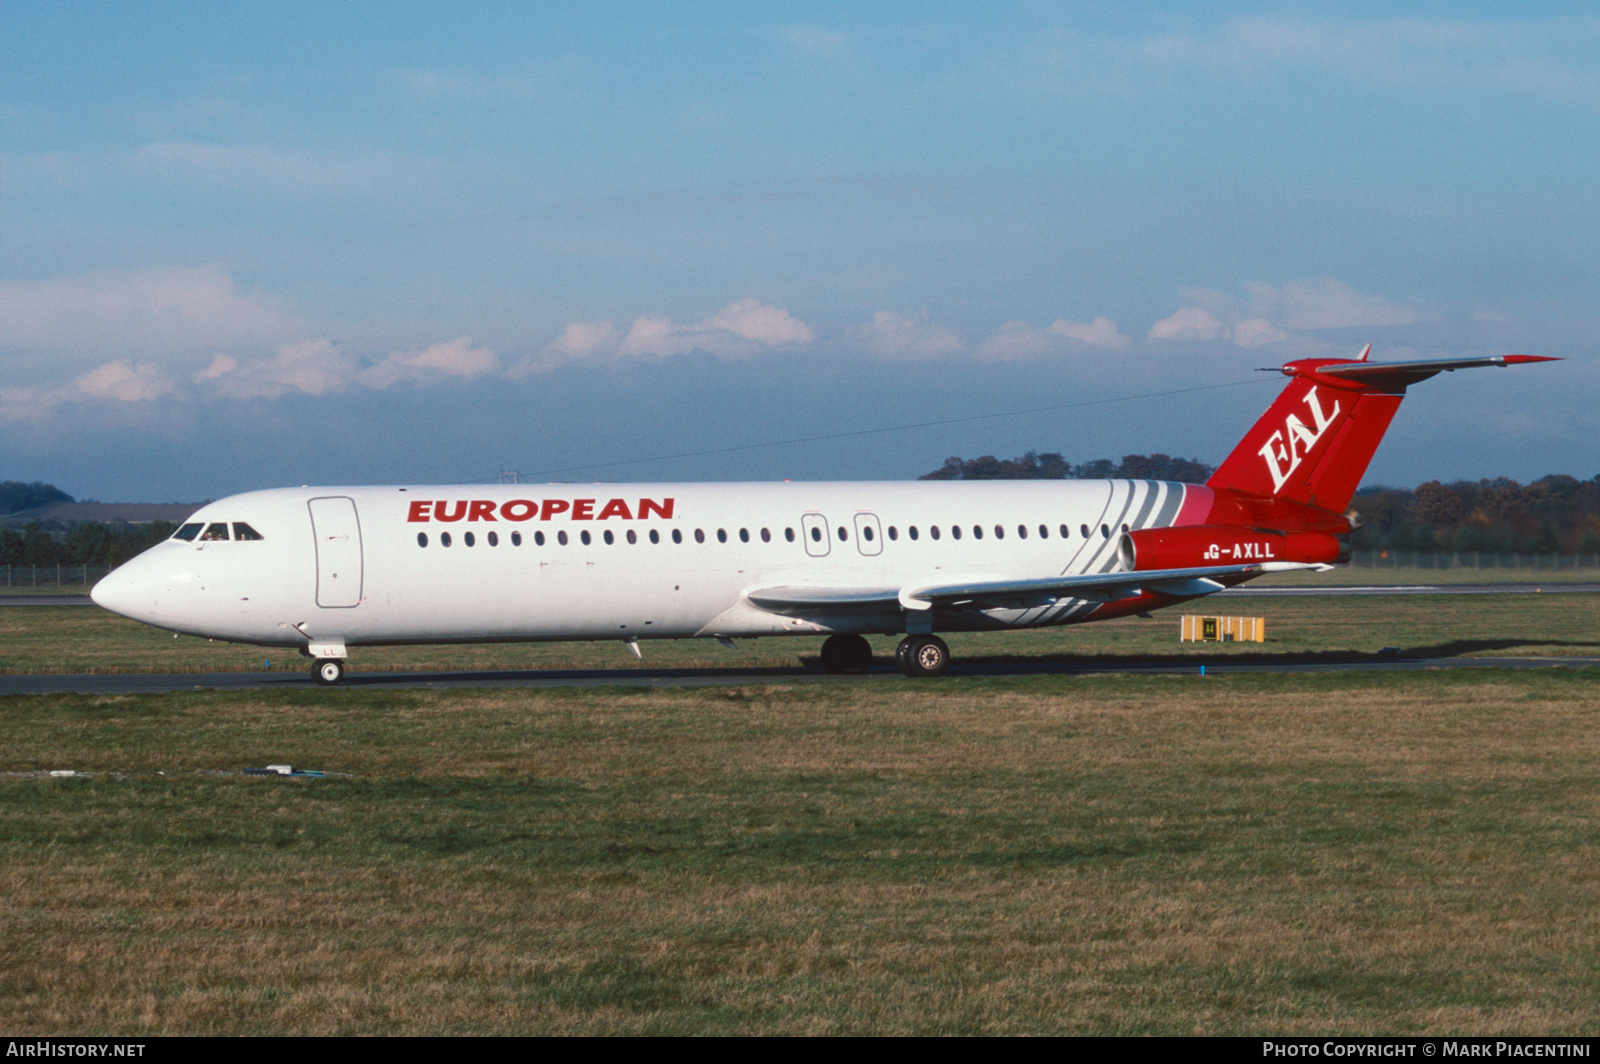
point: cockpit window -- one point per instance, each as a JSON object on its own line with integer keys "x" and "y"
{"x": 188, "y": 531}
{"x": 216, "y": 530}
{"x": 244, "y": 531}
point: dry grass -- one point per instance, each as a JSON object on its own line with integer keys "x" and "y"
{"x": 1327, "y": 854}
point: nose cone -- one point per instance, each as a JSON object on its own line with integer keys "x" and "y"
{"x": 133, "y": 589}
{"x": 119, "y": 593}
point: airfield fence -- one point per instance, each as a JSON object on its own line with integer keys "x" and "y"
{"x": 85, "y": 576}
{"x": 51, "y": 575}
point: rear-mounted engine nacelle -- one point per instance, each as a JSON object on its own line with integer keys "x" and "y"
{"x": 1199, "y": 546}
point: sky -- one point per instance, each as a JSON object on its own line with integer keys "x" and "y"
{"x": 245, "y": 246}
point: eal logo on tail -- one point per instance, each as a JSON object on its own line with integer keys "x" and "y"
{"x": 1289, "y": 446}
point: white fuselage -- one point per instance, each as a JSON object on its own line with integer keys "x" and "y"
{"x": 371, "y": 565}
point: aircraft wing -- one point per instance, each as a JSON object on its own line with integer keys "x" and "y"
{"x": 1008, "y": 594}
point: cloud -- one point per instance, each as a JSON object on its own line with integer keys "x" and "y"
{"x": 1102, "y": 332}
{"x": 458, "y": 358}
{"x": 125, "y": 381}
{"x": 1276, "y": 314}
{"x": 179, "y": 311}
{"x": 117, "y": 381}
{"x": 322, "y": 367}
{"x": 767, "y": 325}
{"x": 1324, "y": 303}
{"x": 1190, "y": 323}
{"x": 1257, "y": 332}
{"x": 1017, "y": 341}
{"x": 738, "y": 330}
{"x": 729, "y": 333}
{"x": 312, "y": 367}
{"x": 583, "y": 338}
{"x": 898, "y": 336}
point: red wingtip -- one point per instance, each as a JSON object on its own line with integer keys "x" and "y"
{"x": 1517, "y": 360}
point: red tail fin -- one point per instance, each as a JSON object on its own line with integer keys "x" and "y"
{"x": 1314, "y": 443}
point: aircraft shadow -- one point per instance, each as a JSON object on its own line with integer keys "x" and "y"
{"x": 1456, "y": 648}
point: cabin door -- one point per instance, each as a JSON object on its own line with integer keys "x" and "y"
{"x": 814, "y": 528}
{"x": 337, "y": 532}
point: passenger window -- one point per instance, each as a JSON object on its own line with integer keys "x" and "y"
{"x": 934, "y": 532}
{"x": 584, "y": 535}
{"x": 955, "y": 531}
{"x": 977, "y": 531}
{"x": 1105, "y": 533}
{"x": 722, "y": 535}
{"x": 913, "y": 531}
{"x": 422, "y": 539}
{"x": 1044, "y": 531}
{"x": 893, "y": 534}
{"x": 516, "y": 539}
{"x": 788, "y": 534}
{"x": 469, "y": 539}
{"x": 1124, "y": 528}
{"x": 1022, "y": 531}
{"x": 843, "y": 535}
{"x": 744, "y": 535}
{"x": 766, "y": 536}
{"x": 655, "y": 537}
{"x": 188, "y": 532}
{"x": 561, "y": 537}
{"x": 1085, "y": 529}
{"x": 866, "y": 533}
{"x": 633, "y": 537}
{"x": 609, "y": 538}
{"x": 244, "y": 531}
{"x": 218, "y": 530}
{"x": 444, "y": 539}
{"x": 699, "y": 535}
{"x": 999, "y": 532}
{"x": 677, "y": 536}
{"x": 494, "y": 539}
{"x": 538, "y": 539}
{"x": 816, "y": 534}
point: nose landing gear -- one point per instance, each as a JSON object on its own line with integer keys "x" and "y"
{"x": 328, "y": 671}
{"x": 922, "y": 656}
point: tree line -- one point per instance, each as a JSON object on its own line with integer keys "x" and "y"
{"x": 88, "y": 543}
{"x": 1051, "y": 466}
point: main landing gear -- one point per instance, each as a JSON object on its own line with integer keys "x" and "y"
{"x": 922, "y": 656}
{"x": 916, "y": 656}
{"x": 328, "y": 671}
{"x": 846, "y": 653}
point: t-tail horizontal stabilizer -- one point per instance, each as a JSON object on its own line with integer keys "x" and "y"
{"x": 1313, "y": 445}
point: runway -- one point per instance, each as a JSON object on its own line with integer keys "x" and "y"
{"x": 160, "y": 683}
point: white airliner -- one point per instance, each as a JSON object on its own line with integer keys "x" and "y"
{"x": 327, "y": 569}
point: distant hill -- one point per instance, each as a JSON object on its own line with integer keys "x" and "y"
{"x": 16, "y": 496}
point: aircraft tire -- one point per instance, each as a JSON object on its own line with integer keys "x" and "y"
{"x": 922, "y": 656}
{"x": 328, "y": 671}
{"x": 846, "y": 653}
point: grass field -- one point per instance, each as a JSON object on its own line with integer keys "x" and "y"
{"x": 77, "y": 639}
{"x": 1336, "y": 853}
